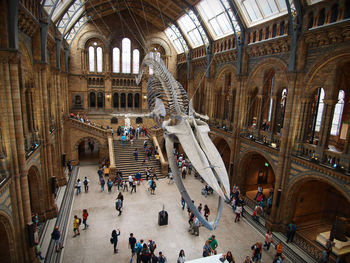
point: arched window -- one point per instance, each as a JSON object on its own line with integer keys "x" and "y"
{"x": 91, "y": 59}
{"x": 129, "y": 100}
{"x": 116, "y": 60}
{"x": 338, "y": 112}
{"x": 135, "y": 61}
{"x": 122, "y": 100}
{"x": 321, "y": 17}
{"x": 116, "y": 100}
{"x": 282, "y": 28}
{"x": 311, "y": 20}
{"x": 319, "y": 110}
{"x": 137, "y": 100}
{"x": 95, "y": 58}
{"x": 92, "y": 100}
{"x": 334, "y": 14}
{"x": 126, "y": 55}
{"x": 100, "y": 100}
{"x": 269, "y": 116}
{"x": 99, "y": 59}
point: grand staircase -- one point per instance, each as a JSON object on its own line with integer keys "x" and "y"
{"x": 125, "y": 160}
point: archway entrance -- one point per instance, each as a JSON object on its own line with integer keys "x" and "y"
{"x": 5, "y": 252}
{"x": 257, "y": 171}
{"x": 88, "y": 151}
{"x": 224, "y": 150}
{"x": 316, "y": 204}
{"x": 34, "y": 190}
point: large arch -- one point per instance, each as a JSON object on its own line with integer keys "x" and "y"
{"x": 224, "y": 149}
{"x": 262, "y": 173}
{"x": 7, "y": 245}
{"x": 84, "y": 38}
{"x": 83, "y": 151}
{"x": 313, "y": 202}
{"x": 35, "y": 191}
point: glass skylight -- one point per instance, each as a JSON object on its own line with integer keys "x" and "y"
{"x": 215, "y": 17}
{"x": 193, "y": 29}
{"x": 259, "y": 11}
{"x": 176, "y": 38}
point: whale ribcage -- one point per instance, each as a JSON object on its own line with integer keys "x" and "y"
{"x": 155, "y": 89}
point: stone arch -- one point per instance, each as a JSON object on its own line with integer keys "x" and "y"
{"x": 198, "y": 93}
{"x": 35, "y": 190}
{"x": 161, "y": 42}
{"x": 99, "y": 145}
{"x": 328, "y": 64}
{"x": 277, "y": 64}
{"x": 242, "y": 165}
{"x": 28, "y": 59}
{"x": 84, "y": 38}
{"x": 297, "y": 183}
{"x": 224, "y": 148}
{"x": 228, "y": 67}
{"x": 7, "y": 245}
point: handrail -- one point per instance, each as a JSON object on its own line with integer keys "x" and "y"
{"x": 112, "y": 167}
{"x": 163, "y": 163}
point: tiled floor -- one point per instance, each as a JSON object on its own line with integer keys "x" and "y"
{"x": 140, "y": 216}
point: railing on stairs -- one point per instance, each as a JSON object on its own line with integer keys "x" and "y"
{"x": 112, "y": 166}
{"x": 164, "y": 164}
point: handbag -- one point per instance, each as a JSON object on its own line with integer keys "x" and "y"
{"x": 111, "y": 240}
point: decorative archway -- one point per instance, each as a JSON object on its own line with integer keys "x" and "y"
{"x": 7, "y": 245}
{"x": 225, "y": 151}
{"x": 88, "y": 149}
{"x": 255, "y": 168}
{"x": 35, "y": 190}
{"x": 297, "y": 184}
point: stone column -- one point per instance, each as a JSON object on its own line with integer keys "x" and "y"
{"x": 327, "y": 118}
{"x": 259, "y": 101}
{"x": 14, "y": 156}
{"x": 273, "y": 116}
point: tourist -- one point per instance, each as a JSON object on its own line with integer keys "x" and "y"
{"x": 123, "y": 138}
{"x": 183, "y": 203}
{"x": 125, "y": 186}
{"x": 109, "y": 185}
{"x": 145, "y": 254}
{"x": 279, "y": 249}
{"x": 206, "y": 249}
{"x": 238, "y": 212}
{"x": 161, "y": 258}
{"x": 200, "y": 208}
{"x": 152, "y": 245}
{"x": 153, "y": 186}
{"x": 138, "y": 249}
{"x": 183, "y": 171}
{"x": 35, "y": 219}
{"x": 268, "y": 240}
{"x": 196, "y": 225}
{"x": 85, "y": 216}
{"x": 131, "y": 245}
{"x": 136, "y": 154}
{"x": 102, "y": 182}
{"x": 154, "y": 258}
{"x": 37, "y": 251}
{"x": 247, "y": 260}
{"x": 56, "y": 235}
{"x": 291, "y": 229}
{"x": 86, "y": 184}
{"x": 138, "y": 177}
{"x": 280, "y": 259}
{"x": 78, "y": 186}
{"x": 259, "y": 193}
{"x": 100, "y": 172}
{"x": 114, "y": 239}
{"x": 130, "y": 180}
{"x": 206, "y": 212}
{"x": 213, "y": 244}
{"x": 181, "y": 258}
{"x": 119, "y": 203}
{"x": 228, "y": 257}
{"x": 257, "y": 249}
{"x": 76, "y": 223}
{"x": 170, "y": 177}
{"x": 133, "y": 188}
{"x": 189, "y": 168}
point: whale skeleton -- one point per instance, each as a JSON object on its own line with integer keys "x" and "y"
{"x": 167, "y": 98}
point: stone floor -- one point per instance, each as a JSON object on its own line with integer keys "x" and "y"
{"x": 140, "y": 216}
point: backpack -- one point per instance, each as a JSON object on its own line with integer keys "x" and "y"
{"x": 85, "y": 182}
{"x": 79, "y": 221}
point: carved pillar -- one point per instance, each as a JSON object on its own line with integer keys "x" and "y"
{"x": 304, "y": 119}
{"x": 327, "y": 117}
{"x": 273, "y": 116}
{"x": 14, "y": 164}
{"x": 259, "y": 101}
